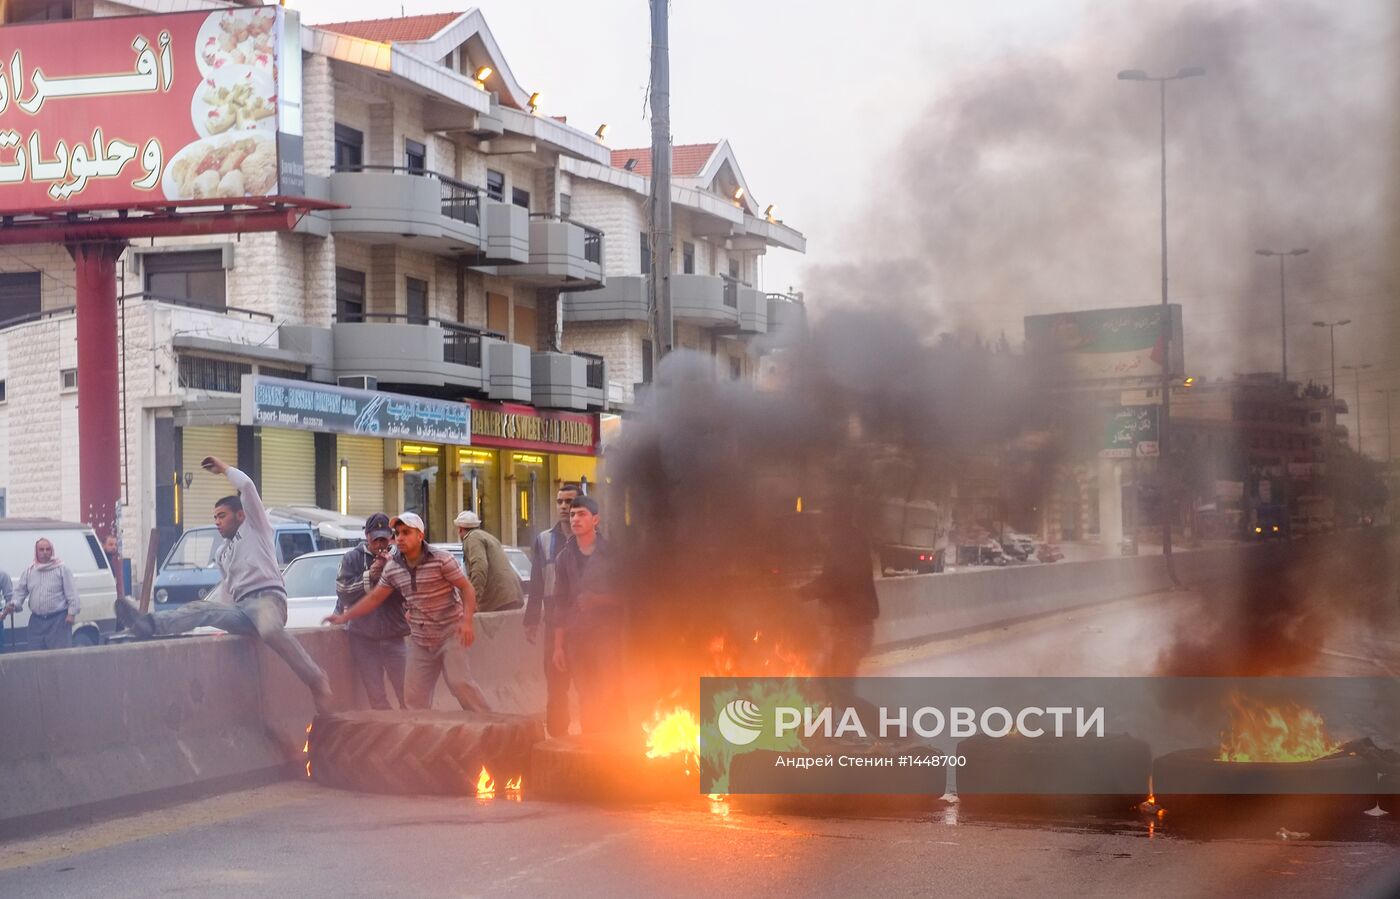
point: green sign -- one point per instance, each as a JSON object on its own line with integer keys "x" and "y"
{"x": 1129, "y": 431}
{"x": 1106, "y": 344}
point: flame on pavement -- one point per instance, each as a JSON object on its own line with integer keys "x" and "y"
{"x": 1274, "y": 733}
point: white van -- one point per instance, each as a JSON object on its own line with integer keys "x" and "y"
{"x": 76, "y": 545}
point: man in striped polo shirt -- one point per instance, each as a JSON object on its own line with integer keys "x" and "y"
{"x": 439, "y": 622}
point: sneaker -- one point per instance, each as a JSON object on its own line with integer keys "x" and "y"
{"x": 324, "y": 699}
{"x": 131, "y": 620}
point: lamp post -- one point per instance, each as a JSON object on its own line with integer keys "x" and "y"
{"x": 1332, "y": 343}
{"x": 1282, "y": 304}
{"x": 1357, "y": 369}
{"x": 1164, "y": 419}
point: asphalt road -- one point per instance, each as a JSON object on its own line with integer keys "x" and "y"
{"x": 303, "y": 840}
{"x": 299, "y": 839}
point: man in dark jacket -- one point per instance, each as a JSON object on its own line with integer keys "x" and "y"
{"x": 589, "y": 620}
{"x": 377, "y": 640}
{"x": 540, "y": 606}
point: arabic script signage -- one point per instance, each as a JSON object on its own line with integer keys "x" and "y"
{"x": 1106, "y": 344}
{"x": 1129, "y": 431}
{"x": 114, "y": 113}
{"x": 510, "y": 426}
{"x": 308, "y": 406}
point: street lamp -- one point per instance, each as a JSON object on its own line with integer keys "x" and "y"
{"x": 1164, "y": 423}
{"x": 1282, "y": 305}
{"x": 1358, "y": 369}
{"x": 1332, "y": 340}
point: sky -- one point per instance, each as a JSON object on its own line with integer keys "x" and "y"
{"x": 980, "y": 162}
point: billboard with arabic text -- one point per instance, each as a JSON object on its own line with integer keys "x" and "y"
{"x": 1106, "y": 345}
{"x": 139, "y": 111}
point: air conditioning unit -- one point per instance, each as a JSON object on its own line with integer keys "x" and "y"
{"x": 359, "y": 382}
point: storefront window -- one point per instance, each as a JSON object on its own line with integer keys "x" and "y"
{"x": 423, "y": 487}
{"x": 530, "y": 481}
{"x": 481, "y": 486}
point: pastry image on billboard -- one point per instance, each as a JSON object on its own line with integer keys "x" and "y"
{"x": 239, "y": 164}
{"x": 238, "y": 37}
{"x": 235, "y": 98}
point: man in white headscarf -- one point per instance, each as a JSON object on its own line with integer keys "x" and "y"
{"x": 53, "y": 599}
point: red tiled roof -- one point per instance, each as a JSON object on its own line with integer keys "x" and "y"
{"x": 686, "y": 159}
{"x": 404, "y": 28}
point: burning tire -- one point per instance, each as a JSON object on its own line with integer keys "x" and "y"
{"x": 606, "y": 770}
{"x": 419, "y": 751}
{"x": 1054, "y": 773}
{"x": 1311, "y": 795}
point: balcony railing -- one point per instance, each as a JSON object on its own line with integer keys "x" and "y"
{"x": 461, "y": 201}
{"x": 731, "y": 291}
{"x": 592, "y": 237}
{"x": 594, "y": 376}
{"x": 461, "y": 345}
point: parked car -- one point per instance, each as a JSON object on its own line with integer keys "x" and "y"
{"x": 1018, "y": 546}
{"x": 77, "y": 546}
{"x": 189, "y": 571}
{"x": 310, "y": 581}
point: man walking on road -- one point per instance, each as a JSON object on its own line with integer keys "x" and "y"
{"x": 53, "y": 599}
{"x": 589, "y": 622}
{"x": 376, "y": 641}
{"x": 440, "y": 623}
{"x": 543, "y": 586}
{"x": 251, "y": 598}
{"x": 496, "y": 584}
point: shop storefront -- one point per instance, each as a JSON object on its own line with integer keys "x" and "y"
{"x": 519, "y": 457}
{"x": 390, "y": 452}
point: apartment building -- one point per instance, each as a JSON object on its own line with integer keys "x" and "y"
{"x": 449, "y": 284}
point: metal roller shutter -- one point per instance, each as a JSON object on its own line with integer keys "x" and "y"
{"x": 197, "y": 500}
{"x": 364, "y": 458}
{"x": 288, "y": 467}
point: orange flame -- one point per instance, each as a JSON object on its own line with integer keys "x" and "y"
{"x": 1287, "y": 733}
{"x": 485, "y": 785}
{"x": 513, "y": 785}
{"x": 306, "y": 749}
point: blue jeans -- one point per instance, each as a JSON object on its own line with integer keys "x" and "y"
{"x": 262, "y": 615}
{"x": 375, "y": 660}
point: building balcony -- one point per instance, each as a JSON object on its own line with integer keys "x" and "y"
{"x": 411, "y": 208}
{"x": 505, "y": 234}
{"x": 621, "y": 299}
{"x": 706, "y": 300}
{"x": 563, "y": 254}
{"x": 575, "y": 381}
{"x": 753, "y": 310}
{"x": 430, "y": 354}
{"x": 787, "y": 316}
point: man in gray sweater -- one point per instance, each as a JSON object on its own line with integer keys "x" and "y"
{"x": 53, "y": 599}
{"x": 251, "y": 598}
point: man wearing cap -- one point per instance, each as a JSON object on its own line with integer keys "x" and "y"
{"x": 496, "y": 584}
{"x": 251, "y": 597}
{"x": 439, "y": 601}
{"x": 376, "y": 641}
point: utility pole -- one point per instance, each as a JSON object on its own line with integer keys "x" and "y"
{"x": 1332, "y": 342}
{"x": 659, "y": 280}
{"x": 1282, "y": 301}
{"x": 1167, "y": 491}
{"x": 1357, "y": 369}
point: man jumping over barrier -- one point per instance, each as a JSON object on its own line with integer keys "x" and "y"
{"x": 251, "y": 598}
